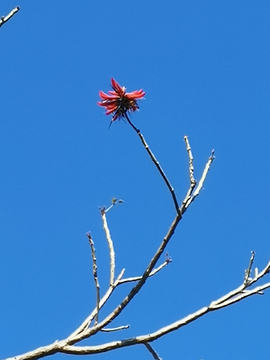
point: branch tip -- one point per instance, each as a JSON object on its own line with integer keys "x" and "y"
{"x": 4, "y": 19}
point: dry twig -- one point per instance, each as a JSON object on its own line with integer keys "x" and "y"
{"x": 248, "y": 271}
{"x": 152, "y": 351}
{"x": 191, "y": 167}
{"x": 153, "y": 158}
{"x": 93, "y": 252}
{"x": 137, "y": 278}
{"x": 4, "y": 19}
{"x": 110, "y": 244}
{"x": 123, "y": 327}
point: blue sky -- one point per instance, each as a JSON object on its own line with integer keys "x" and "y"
{"x": 205, "y": 68}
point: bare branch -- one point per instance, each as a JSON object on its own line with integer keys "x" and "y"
{"x": 84, "y": 331}
{"x": 94, "y": 273}
{"x": 153, "y": 158}
{"x": 143, "y": 339}
{"x": 137, "y": 278}
{"x": 240, "y": 295}
{"x": 124, "y": 327}
{"x": 191, "y": 167}
{"x": 91, "y": 331}
{"x": 85, "y": 324}
{"x": 152, "y": 351}
{"x": 258, "y": 276}
{"x": 241, "y": 292}
{"x": 110, "y": 244}
{"x": 248, "y": 271}
{"x": 4, "y": 19}
{"x": 205, "y": 171}
{"x": 189, "y": 197}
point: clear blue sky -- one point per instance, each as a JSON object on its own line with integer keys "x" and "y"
{"x": 205, "y": 68}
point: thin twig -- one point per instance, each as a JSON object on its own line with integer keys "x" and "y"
{"x": 137, "y": 278}
{"x": 4, "y": 19}
{"x": 93, "y": 252}
{"x": 258, "y": 276}
{"x": 190, "y": 198}
{"x": 205, "y": 171}
{"x": 152, "y": 351}
{"x": 153, "y": 158}
{"x": 241, "y": 292}
{"x": 191, "y": 167}
{"x": 248, "y": 271}
{"x": 110, "y": 244}
{"x": 114, "y": 202}
{"x": 124, "y": 327}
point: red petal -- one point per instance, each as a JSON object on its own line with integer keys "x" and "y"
{"x": 113, "y": 93}
{"x": 137, "y": 94}
{"x": 106, "y": 96}
{"x": 117, "y": 87}
{"x": 109, "y": 111}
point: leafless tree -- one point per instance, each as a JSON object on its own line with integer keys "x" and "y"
{"x": 94, "y": 324}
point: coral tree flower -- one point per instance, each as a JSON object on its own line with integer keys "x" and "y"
{"x": 118, "y": 102}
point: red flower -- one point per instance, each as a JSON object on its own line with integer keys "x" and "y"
{"x": 119, "y": 102}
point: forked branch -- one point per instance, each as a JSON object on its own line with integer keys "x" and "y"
{"x": 232, "y": 297}
{"x": 84, "y": 330}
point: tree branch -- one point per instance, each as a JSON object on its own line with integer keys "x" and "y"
{"x": 153, "y": 158}
{"x": 110, "y": 244}
{"x": 152, "y": 351}
{"x": 232, "y": 297}
{"x": 248, "y": 271}
{"x": 123, "y": 327}
{"x": 85, "y": 324}
{"x": 91, "y": 331}
{"x": 4, "y": 19}
{"x": 153, "y": 272}
{"x": 84, "y": 331}
{"x": 94, "y": 273}
{"x": 191, "y": 167}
